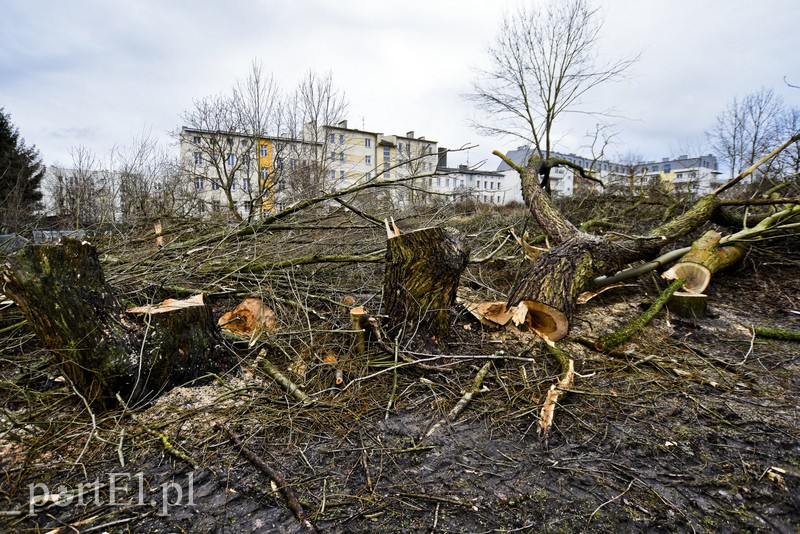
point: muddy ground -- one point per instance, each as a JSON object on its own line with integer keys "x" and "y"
{"x": 692, "y": 426}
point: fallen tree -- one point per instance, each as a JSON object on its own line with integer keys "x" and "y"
{"x": 555, "y": 279}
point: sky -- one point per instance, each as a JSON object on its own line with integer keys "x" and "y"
{"x": 99, "y": 73}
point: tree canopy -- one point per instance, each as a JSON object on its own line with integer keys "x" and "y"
{"x": 21, "y": 172}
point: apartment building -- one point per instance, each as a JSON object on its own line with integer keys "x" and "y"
{"x": 463, "y": 182}
{"x": 682, "y": 175}
{"x": 243, "y": 173}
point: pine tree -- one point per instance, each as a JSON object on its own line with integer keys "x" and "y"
{"x": 21, "y": 173}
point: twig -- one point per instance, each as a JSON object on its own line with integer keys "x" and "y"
{"x": 610, "y": 341}
{"x": 286, "y": 489}
{"x": 160, "y": 435}
{"x": 611, "y": 500}
{"x": 273, "y": 372}
{"x": 777, "y": 333}
{"x": 461, "y": 405}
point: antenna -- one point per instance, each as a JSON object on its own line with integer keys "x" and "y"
{"x": 362, "y": 122}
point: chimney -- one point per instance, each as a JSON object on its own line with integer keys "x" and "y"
{"x": 343, "y": 124}
{"x": 410, "y": 134}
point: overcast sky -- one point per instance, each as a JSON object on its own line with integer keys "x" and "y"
{"x": 97, "y": 73}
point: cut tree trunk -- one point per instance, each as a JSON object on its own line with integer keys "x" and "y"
{"x": 422, "y": 274}
{"x": 102, "y": 349}
{"x": 555, "y": 279}
{"x": 704, "y": 259}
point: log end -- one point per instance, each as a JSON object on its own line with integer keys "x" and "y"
{"x": 697, "y": 276}
{"x": 548, "y": 322}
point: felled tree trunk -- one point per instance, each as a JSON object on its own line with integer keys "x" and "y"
{"x": 102, "y": 349}
{"x": 555, "y": 279}
{"x": 422, "y": 273}
{"x": 704, "y": 259}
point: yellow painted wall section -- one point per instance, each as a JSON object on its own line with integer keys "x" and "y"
{"x": 266, "y": 162}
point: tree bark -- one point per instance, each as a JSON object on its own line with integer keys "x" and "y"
{"x": 102, "y": 349}
{"x": 422, "y": 274}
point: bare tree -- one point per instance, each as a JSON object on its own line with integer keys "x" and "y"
{"x": 747, "y": 130}
{"x": 315, "y": 104}
{"x": 82, "y": 194}
{"x": 142, "y": 172}
{"x": 543, "y": 61}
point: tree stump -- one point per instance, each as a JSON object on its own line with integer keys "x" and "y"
{"x": 102, "y": 350}
{"x": 423, "y": 269}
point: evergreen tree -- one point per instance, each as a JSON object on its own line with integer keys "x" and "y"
{"x": 21, "y": 173}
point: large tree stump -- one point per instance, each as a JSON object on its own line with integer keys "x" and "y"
{"x": 102, "y": 349}
{"x": 423, "y": 269}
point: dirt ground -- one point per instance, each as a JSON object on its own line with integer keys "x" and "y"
{"x": 691, "y": 426}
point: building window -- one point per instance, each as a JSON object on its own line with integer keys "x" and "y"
{"x": 198, "y": 158}
{"x": 333, "y": 175}
{"x": 332, "y": 138}
{"x": 198, "y": 182}
{"x": 264, "y": 174}
{"x": 341, "y": 139}
{"x": 196, "y": 139}
{"x": 215, "y": 205}
{"x": 246, "y": 159}
{"x": 368, "y": 160}
{"x": 246, "y": 184}
{"x": 231, "y": 160}
{"x": 341, "y": 156}
{"x": 385, "y": 167}
{"x": 264, "y": 152}
{"x": 367, "y": 143}
{"x": 386, "y": 156}
{"x": 447, "y": 182}
{"x": 233, "y": 184}
{"x": 341, "y": 174}
{"x": 369, "y": 175}
{"x": 438, "y": 181}
{"x": 214, "y": 184}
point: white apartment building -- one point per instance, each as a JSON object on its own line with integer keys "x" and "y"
{"x": 463, "y": 182}
{"x": 693, "y": 175}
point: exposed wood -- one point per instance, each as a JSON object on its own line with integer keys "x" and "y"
{"x": 566, "y": 376}
{"x": 423, "y": 269}
{"x": 103, "y": 350}
{"x": 360, "y": 322}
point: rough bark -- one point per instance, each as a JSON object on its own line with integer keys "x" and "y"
{"x": 422, "y": 274}
{"x": 102, "y": 349}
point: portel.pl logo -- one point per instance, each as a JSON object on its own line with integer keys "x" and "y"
{"x": 118, "y": 489}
